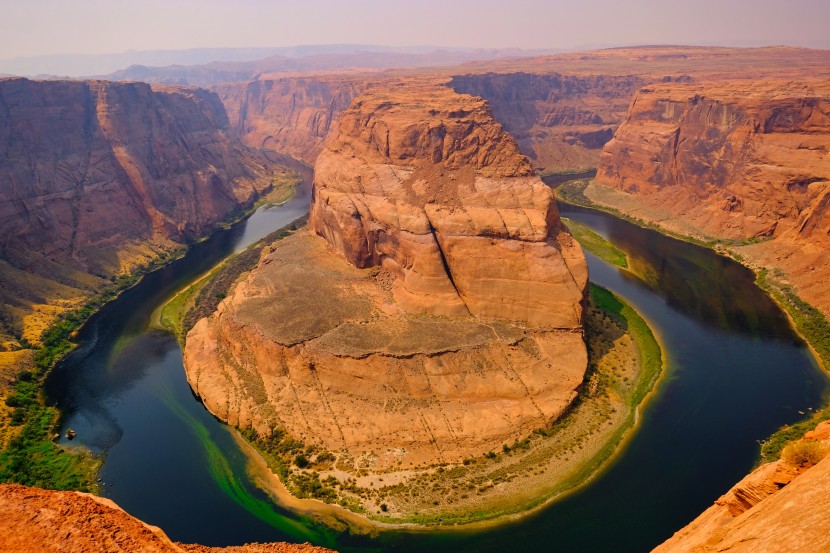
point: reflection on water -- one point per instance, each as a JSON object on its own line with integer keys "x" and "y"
{"x": 737, "y": 372}
{"x": 693, "y": 280}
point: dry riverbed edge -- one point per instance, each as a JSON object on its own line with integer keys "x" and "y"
{"x": 515, "y": 480}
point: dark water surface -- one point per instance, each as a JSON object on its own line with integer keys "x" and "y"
{"x": 736, "y": 372}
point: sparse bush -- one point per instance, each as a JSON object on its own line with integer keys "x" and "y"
{"x": 803, "y": 453}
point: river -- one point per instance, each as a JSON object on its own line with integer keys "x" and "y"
{"x": 736, "y": 372}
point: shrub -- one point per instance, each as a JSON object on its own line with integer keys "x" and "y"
{"x": 803, "y": 453}
{"x": 301, "y": 461}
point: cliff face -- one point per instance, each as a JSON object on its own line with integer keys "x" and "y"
{"x": 435, "y": 192}
{"x": 445, "y": 322}
{"x": 98, "y": 176}
{"x": 561, "y": 122}
{"x": 73, "y": 522}
{"x": 742, "y": 161}
{"x": 290, "y": 115}
{"x": 778, "y": 508}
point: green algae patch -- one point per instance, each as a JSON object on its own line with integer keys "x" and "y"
{"x": 596, "y": 244}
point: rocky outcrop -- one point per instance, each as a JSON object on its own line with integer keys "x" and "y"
{"x": 99, "y": 176}
{"x": 741, "y": 161}
{"x": 73, "y": 522}
{"x": 561, "y": 122}
{"x": 289, "y": 115}
{"x": 439, "y": 318}
{"x": 433, "y": 190}
{"x": 778, "y": 508}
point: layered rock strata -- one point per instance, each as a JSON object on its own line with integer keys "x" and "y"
{"x": 289, "y": 115}
{"x": 561, "y": 122}
{"x": 742, "y": 161}
{"x": 438, "y": 318}
{"x": 778, "y": 508}
{"x": 99, "y": 176}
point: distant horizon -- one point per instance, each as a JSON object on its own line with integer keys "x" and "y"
{"x": 434, "y": 47}
{"x": 102, "y": 27}
{"x": 79, "y": 65}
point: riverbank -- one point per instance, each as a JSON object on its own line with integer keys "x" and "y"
{"x": 807, "y": 322}
{"x": 625, "y": 362}
{"x": 30, "y": 455}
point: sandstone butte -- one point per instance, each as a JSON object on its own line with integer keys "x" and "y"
{"x": 437, "y": 313}
{"x": 778, "y": 508}
{"x": 74, "y": 522}
{"x": 746, "y": 162}
{"x": 98, "y": 177}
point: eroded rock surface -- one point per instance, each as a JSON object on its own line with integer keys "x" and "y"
{"x": 778, "y": 508}
{"x": 742, "y": 161}
{"x": 438, "y": 318}
{"x": 74, "y": 522}
{"x": 560, "y": 121}
{"x": 99, "y": 176}
{"x": 292, "y": 115}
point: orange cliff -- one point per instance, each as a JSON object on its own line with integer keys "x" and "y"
{"x": 292, "y": 115}
{"x": 74, "y": 522}
{"x": 439, "y": 318}
{"x": 744, "y": 161}
{"x": 780, "y": 507}
{"x": 561, "y": 122}
{"x": 101, "y": 176}
{"x": 561, "y": 109}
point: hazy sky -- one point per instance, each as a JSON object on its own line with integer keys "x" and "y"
{"x": 36, "y": 27}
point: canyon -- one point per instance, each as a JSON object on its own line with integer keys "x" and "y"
{"x": 720, "y": 162}
{"x": 780, "y": 507}
{"x": 440, "y": 279}
{"x": 100, "y": 178}
{"x": 427, "y": 220}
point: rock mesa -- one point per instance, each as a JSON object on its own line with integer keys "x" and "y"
{"x": 438, "y": 317}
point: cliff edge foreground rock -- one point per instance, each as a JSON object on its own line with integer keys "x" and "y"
{"x": 438, "y": 317}
{"x": 74, "y": 522}
{"x": 780, "y": 507}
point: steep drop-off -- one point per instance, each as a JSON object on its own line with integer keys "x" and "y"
{"x": 73, "y": 522}
{"x": 561, "y": 109}
{"x": 560, "y": 121}
{"x": 289, "y": 115}
{"x": 780, "y": 507}
{"x": 98, "y": 177}
{"x": 439, "y": 318}
{"x": 741, "y": 161}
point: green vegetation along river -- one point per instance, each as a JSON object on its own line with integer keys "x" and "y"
{"x": 736, "y": 373}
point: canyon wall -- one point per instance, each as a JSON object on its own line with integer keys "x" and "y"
{"x": 438, "y": 317}
{"x": 741, "y": 161}
{"x": 781, "y": 507}
{"x": 100, "y": 176}
{"x": 561, "y": 122}
{"x": 289, "y": 115}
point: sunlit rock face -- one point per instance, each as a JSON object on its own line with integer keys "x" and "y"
{"x": 433, "y": 312}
